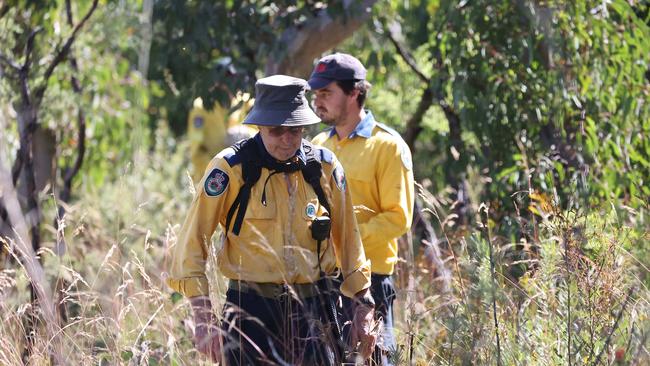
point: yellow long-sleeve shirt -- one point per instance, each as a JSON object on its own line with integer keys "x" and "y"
{"x": 379, "y": 172}
{"x": 275, "y": 243}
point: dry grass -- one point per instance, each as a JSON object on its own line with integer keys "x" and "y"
{"x": 582, "y": 300}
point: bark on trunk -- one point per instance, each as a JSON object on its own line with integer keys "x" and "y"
{"x": 300, "y": 45}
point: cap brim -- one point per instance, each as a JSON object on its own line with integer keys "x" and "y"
{"x": 268, "y": 117}
{"x": 318, "y": 83}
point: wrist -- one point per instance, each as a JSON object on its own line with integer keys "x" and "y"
{"x": 201, "y": 308}
{"x": 200, "y": 302}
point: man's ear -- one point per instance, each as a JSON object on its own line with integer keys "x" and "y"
{"x": 354, "y": 94}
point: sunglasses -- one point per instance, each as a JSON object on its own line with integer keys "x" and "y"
{"x": 281, "y": 130}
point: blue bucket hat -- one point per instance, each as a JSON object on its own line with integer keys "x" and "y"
{"x": 280, "y": 101}
{"x": 337, "y": 66}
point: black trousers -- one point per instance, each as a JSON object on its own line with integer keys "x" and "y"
{"x": 278, "y": 331}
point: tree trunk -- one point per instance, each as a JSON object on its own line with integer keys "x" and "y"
{"x": 27, "y": 124}
{"x": 455, "y": 146}
{"x": 300, "y": 45}
{"x": 41, "y": 295}
{"x": 147, "y": 36}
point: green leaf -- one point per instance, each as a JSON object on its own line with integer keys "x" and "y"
{"x": 637, "y": 157}
{"x": 176, "y": 297}
{"x": 127, "y": 355}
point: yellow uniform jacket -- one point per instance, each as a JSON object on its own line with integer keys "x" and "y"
{"x": 208, "y": 130}
{"x": 379, "y": 172}
{"x": 275, "y": 243}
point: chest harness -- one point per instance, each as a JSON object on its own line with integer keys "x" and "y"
{"x": 252, "y": 156}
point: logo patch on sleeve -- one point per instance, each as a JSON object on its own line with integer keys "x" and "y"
{"x": 198, "y": 121}
{"x": 406, "y": 157}
{"x": 216, "y": 182}
{"x": 339, "y": 178}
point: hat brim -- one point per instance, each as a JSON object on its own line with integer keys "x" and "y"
{"x": 260, "y": 116}
{"x": 319, "y": 83}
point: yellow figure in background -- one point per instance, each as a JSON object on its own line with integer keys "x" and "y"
{"x": 211, "y": 131}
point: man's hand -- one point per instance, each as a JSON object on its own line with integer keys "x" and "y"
{"x": 207, "y": 339}
{"x": 363, "y": 332}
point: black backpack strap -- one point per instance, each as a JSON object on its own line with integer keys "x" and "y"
{"x": 313, "y": 171}
{"x": 246, "y": 153}
{"x": 251, "y": 171}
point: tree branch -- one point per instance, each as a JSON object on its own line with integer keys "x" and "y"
{"x": 63, "y": 52}
{"x": 23, "y": 72}
{"x": 70, "y": 172}
{"x": 4, "y": 10}
{"x": 392, "y": 33}
{"x": 29, "y": 49}
{"x": 16, "y": 168}
{"x": 23, "y": 80}
{"x": 430, "y": 94}
{"x": 81, "y": 136}
{"x": 413, "y": 127}
{"x": 68, "y": 13}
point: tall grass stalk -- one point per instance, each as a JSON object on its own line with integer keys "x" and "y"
{"x": 568, "y": 297}
{"x": 486, "y": 228}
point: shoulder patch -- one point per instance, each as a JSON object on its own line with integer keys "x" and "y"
{"x": 326, "y": 155}
{"x": 216, "y": 182}
{"x": 405, "y": 152}
{"x": 339, "y": 178}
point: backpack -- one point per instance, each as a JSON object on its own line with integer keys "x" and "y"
{"x": 247, "y": 153}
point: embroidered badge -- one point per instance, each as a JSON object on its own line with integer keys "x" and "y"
{"x": 216, "y": 182}
{"x": 198, "y": 122}
{"x": 339, "y": 178}
{"x": 406, "y": 157}
{"x": 310, "y": 210}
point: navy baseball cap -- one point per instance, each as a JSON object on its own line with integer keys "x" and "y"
{"x": 337, "y": 66}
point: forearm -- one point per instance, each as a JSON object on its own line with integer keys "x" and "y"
{"x": 383, "y": 228}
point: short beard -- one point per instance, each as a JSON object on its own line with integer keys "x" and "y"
{"x": 327, "y": 121}
{"x": 335, "y": 121}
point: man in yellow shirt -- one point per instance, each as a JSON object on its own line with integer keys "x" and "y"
{"x": 379, "y": 175}
{"x": 273, "y": 196}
